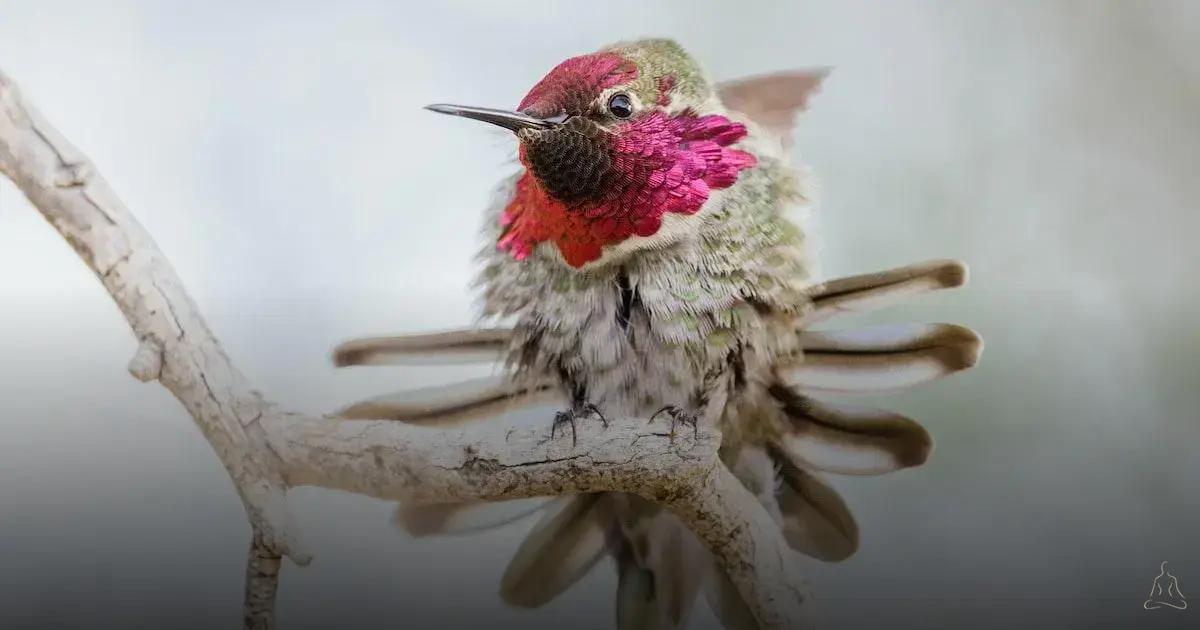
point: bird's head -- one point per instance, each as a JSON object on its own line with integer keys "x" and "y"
{"x": 622, "y": 148}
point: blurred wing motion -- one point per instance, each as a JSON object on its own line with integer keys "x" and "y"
{"x": 661, "y": 566}
{"x": 773, "y": 100}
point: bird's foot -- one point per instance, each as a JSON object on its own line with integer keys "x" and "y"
{"x": 577, "y": 411}
{"x": 678, "y": 416}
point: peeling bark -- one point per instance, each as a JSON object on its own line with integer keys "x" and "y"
{"x": 266, "y": 450}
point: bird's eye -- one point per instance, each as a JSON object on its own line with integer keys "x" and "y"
{"x": 620, "y": 106}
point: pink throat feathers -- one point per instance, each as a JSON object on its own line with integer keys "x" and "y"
{"x": 637, "y": 170}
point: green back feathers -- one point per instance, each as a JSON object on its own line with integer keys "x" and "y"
{"x": 658, "y": 59}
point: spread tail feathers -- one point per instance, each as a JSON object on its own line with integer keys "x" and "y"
{"x": 637, "y": 607}
{"x": 452, "y": 404}
{"x": 560, "y": 549}
{"x": 663, "y": 551}
{"x": 661, "y": 565}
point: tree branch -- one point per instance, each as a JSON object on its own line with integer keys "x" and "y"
{"x": 262, "y": 582}
{"x": 266, "y": 450}
{"x": 64, "y": 186}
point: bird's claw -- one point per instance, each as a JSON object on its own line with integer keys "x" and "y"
{"x": 679, "y": 416}
{"x": 568, "y": 416}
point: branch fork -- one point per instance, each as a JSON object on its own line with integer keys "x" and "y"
{"x": 267, "y": 450}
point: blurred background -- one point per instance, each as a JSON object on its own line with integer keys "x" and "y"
{"x": 280, "y": 157}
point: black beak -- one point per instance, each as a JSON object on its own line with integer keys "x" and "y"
{"x": 513, "y": 121}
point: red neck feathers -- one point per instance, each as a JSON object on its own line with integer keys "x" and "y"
{"x": 659, "y": 164}
{"x": 588, "y": 184}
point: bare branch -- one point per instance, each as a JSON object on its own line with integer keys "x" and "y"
{"x": 266, "y": 450}
{"x": 394, "y": 460}
{"x": 262, "y": 582}
{"x": 64, "y": 186}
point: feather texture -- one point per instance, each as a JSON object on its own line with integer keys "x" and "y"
{"x": 740, "y": 283}
{"x": 773, "y": 100}
{"x": 847, "y": 439}
{"x": 558, "y": 551}
{"x": 452, "y": 346}
{"x": 637, "y": 608}
{"x": 667, "y": 550}
{"x": 881, "y": 357}
{"x": 816, "y": 521}
{"x": 877, "y": 290}
{"x": 445, "y": 405}
{"x": 699, "y": 302}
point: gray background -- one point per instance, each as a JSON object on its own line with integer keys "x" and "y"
{"x": 279, "y": 155}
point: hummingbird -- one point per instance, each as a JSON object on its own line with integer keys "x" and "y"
{"x": 650, "y": 258}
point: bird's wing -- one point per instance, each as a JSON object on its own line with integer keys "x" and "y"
{"x": 773, "y": 100}
{"x": 871, "y": 291}
{"x": 471, "y": 345}
{"x": 475, "y": 399}
{"x": 816, "y": 521}
{"x": 845, "y": 439}
{"x": 879, "y": 358}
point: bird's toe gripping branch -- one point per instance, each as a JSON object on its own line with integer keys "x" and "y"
{"x": 678, "y": 416}
{"x": 578, "y": 411}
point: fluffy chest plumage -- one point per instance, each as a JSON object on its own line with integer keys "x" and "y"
{"x": 616, "y": 334}
{"x": 662, "y": 325}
